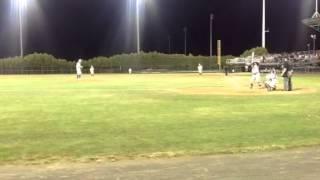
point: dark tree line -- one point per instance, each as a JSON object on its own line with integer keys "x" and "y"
{"x": 47, "y": 64}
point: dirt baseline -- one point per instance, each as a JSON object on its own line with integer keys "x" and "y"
{"x": 242, "y": 91}
{"x": 239, "y": 86}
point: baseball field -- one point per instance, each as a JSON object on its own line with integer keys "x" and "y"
{"x": 52, "y": 118}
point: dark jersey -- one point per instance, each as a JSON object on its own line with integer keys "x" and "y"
{"x": 288, "y": 68}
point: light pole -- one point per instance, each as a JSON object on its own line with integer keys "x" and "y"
{"x": 308, "y": 45}
{"x": 169, "y": 44}
{"x": 138, "y": 24}
{"x": 21, "y": 29}
{"x": 264, "y": 24}
{"x": 314, "y": 38}
{"x": 21, "y": 5}
{"x": 185, "y": 30}
{"x": 316, "y": 14}
{"x": 211, "y": 34}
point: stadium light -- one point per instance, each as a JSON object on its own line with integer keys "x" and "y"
{"x": 20, "y": 3}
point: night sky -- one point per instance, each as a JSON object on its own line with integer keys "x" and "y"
{"x": 88, "y": 28}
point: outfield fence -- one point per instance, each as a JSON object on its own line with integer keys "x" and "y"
{"x": 48, "y": 70}
{"x": 35, "y": 71}
{"x": 163, "y": 69}
{"x": 98, "y": 70}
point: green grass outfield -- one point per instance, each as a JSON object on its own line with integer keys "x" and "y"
{"x": 57, "y": 117}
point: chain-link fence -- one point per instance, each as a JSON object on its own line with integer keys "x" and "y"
{"x": 98, "y": 70}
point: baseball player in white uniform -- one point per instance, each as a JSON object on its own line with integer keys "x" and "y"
{"x": 255, "y": 75}
{"x": 92, "y": 70}
{"x": 79, "y": 68}
{"x": 200, "y": 69}
{"x": 271, "y": 80}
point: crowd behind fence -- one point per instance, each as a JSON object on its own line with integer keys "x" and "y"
{"x": 304, "y": 61}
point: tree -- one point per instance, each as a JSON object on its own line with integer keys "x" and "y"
{"x": 259, "y": 51}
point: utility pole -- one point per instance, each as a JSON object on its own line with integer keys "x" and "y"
{"x": 211, "y": 34}
{"x": 219, "y": 54}
{"x": 169, "y": 44}
{"x": 185, "y": 40}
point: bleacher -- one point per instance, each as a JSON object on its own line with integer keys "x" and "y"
{"x": 301, "y": 61}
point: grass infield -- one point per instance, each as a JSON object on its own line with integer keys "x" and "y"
{"x": 56, "y": 117}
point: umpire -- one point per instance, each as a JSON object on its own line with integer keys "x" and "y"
{"x": 287, "y": 75}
